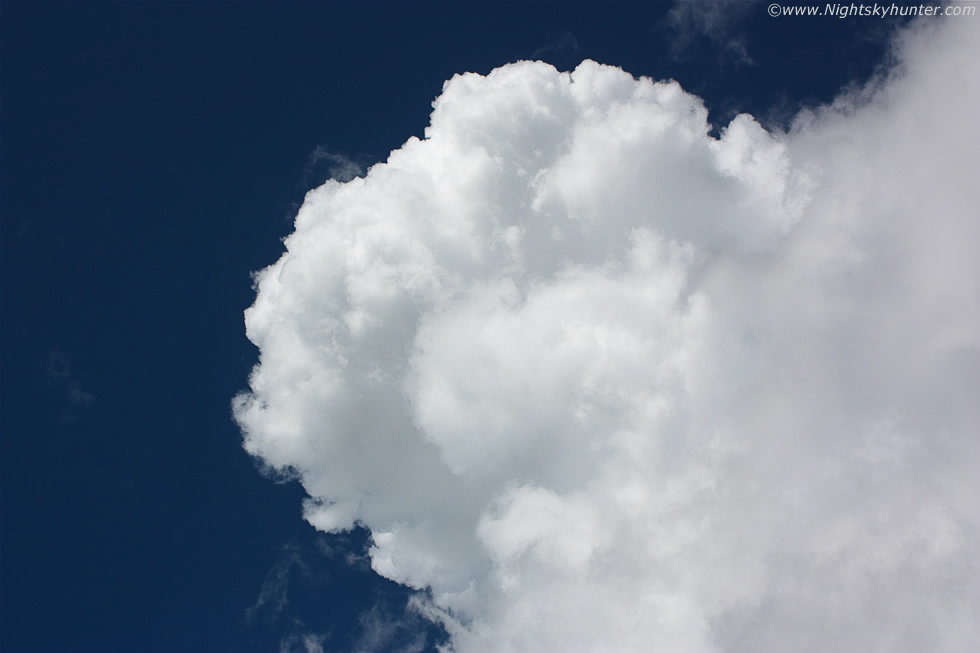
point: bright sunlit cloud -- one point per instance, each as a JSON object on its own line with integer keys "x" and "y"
{"x": 604, "y": 382}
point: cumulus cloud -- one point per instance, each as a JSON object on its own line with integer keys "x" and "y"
{"x": 600, "y": 381}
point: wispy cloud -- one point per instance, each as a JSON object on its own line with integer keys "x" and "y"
{"x": 59, "y": 372}
{"x": 274, "y": 595}
{"x": 339, "y": 167}
{"x": 341, "y": 547}
{"x": 303, "y": 643}
{"x": 383, "y": 631}
{"x": 717, "y": 22}
{"x": 564, "y": 46}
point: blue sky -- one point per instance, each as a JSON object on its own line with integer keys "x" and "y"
{"x": 154, "y": 155}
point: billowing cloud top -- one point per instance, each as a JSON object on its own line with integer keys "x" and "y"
{"x": 604, "y": 382}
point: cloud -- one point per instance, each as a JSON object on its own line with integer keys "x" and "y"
{"x": 274, "y": 595}
{"x": 342, "y": 547}
{"x": 338, "y": 166}
{"x": 391, "y": 632}
{"x": 75, "y": 398}
{"x": 565, "y": 44}
{"x": 600, "y": 381}
{"x": 302, "y": 643}
{"x": 717, "y": 21}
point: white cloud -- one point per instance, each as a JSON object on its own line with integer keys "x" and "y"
{"x": 603, "y": 382}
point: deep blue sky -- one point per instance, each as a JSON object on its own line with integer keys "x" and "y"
{"x": 151, "y": 156}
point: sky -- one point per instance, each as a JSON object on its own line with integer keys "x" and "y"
{"x": 488, "y": 326}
